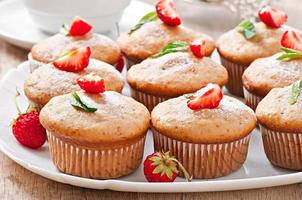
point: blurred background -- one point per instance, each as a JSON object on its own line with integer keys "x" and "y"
{"x": 25, "y": 22}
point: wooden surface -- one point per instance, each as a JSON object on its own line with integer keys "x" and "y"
{"x": 18, "y": 183}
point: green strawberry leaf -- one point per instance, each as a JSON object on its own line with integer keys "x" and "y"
{"x": 152, "y": 16}
{"x": 247, "y": 28}
{"x": 289, "y": 54}
{"x": 177, "y": 46}
{"x": 296, "y": 90}
{"x": 82, "y": 102}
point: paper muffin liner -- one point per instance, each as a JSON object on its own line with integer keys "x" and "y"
{"x": 235, "y": 72}
{"x": 96, "y": 163}
{"x": 204, "y": 161}
{"x": 149, "y": 100}
{"x": 33, "y": 64}
{"x": 251, "y": 100}
{"x": 282, "y": 149}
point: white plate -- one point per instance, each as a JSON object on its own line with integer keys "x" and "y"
{"x": 17, "y": 27}
{"x": 256, "y": 172}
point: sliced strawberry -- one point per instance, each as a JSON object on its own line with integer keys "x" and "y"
{"x": 79, "y": 27}
{"x": 272, "y": 17}
{"x": 92, "y": 83}
{"x": 198, "y": 47}
{"x": 74, "y": 61}
{"x": 290, "y": 39}
{"x": 166, "y": 11}
{"x": 207, "y": 97}
{"x": 121, "y": 63}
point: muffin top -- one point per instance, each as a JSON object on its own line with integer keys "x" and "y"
{"x": 265, "y": 74}
{"x": 175, "y": 74}
{"x": 102, "y": 47}
{"x": 230, "y": 121}
{"x": 118, "y": 119}
{"x": 153, "y": 36}
{"x": 235, "y": 47}
{"x": 276, "y": 113}
{"x": 47, "y": 81}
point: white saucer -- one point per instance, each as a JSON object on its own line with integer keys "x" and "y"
{"x": 256, "y": 172}
{"x": 16, "y": 26}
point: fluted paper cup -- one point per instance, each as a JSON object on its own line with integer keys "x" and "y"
{"x": 204, "y": 161}
{"x": 149, "y": 100}
{"x": 283, "y": 149}
{"x": 251, "y": 100}
{"x": 235, "y": 72}
{"x": 96, "y": 163}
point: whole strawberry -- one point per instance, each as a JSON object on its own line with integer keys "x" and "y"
{"x": 161, "y": 167}
{"x": 28, "y": 130}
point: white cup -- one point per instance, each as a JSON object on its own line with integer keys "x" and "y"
{"x": 49, "y": 15}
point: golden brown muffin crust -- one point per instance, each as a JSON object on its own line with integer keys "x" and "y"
{"x": 118, "y": 120}
{"x": 175, "y": 74}
{"x": 231, "y": 121}
{"x": 153, "y": 36}
{"x": 276, "y": 113}
{"x": 234, "y": 47}
{"x": 102, "y": 47}
{"x": 265, "y": 74}
{"x": 47, "y": 81}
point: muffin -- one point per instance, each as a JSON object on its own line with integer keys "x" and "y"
{"x": 153, "y": 36}
{"x": 280, "y": 119}
{"x": 265, "y": 74}
{"x": 47, "y": 81}
{"x": 52, "y": 48}
{"x": 157, "y": 79}
{"x": 208, "y": 142}
{"x": 237, "y": 53}
{"x": 104, "y": 144}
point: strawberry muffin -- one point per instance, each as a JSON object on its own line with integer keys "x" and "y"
{"x": 98, "y": 136}
{"x": 279, "y": 70}
{"x": 155, "y": 30}
{"x": 239, "y": 47}
{"x": 61, "y": 77}
{"x": 78, "y": 35}
{"x": 207, "y": 132}
{"x": 280, "y": 119}
{"x": 168, "y": 75}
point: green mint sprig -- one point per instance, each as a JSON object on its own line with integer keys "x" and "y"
{"x": 289, "y": 54}
{"x": 177, "y": 46}
{"x": 296, "y": 90}
{"x": 151, "y": 16}
{"x": 247, "y": 28}
{"x": 82, "y": 102}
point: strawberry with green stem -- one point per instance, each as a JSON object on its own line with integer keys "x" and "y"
{"x": 161, "y": 167}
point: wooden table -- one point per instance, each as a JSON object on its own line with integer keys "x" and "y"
{"x": 18, "y": 183}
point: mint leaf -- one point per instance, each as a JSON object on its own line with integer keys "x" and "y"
{"x": 177, "y": 46}
{"x": 82, "y": 102}
{"x": 152, "y": 16}
{"x": 247, "y": 28}
{"x": 289, "y": 54}
{"x": 296, "y": 90}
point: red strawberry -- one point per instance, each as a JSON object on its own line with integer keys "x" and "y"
{"x": 207, "y": 97}
{"x": 272, "y": 17}
{"x": 290, "y": 39}
{"x": 74, "y": 61}
{"x": 92, "y": 83}
{"x": 198, "y": 47}
{"x": 166, "y": 11}
{"x": 79, "y": 27}
{"x": 120, "y": 64}
{"x": 161, "y": 167}
{"x": 28, "y": 130}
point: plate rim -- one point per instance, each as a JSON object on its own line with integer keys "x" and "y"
{"x": 130, "y": 186}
